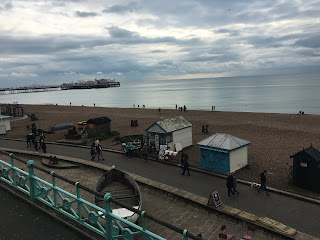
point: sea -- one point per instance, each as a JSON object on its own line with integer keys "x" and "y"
{"x": 289, "y": 93}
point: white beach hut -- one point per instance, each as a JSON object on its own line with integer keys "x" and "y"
{"x": 175, "y": 132}
{"x": 5, "y": 123}
{"x": 223, "y": 153}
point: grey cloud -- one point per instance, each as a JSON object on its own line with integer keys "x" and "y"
{"x": 6, "y": 7}
{"x": 124, "y": 36}
{"x": 270, "y": 41}
{"x": 309, "y": 42}
{"x": 308, "y": 53}
{"x": 119, "y": 9}
{"x": 231, "y": 32}
{"x": 158, "y": 51}
{"x": 120, "y": 32}
{"x": 165, "y": 62}
{"x": 46, "y": 44}
{"x": 85, "y": 14}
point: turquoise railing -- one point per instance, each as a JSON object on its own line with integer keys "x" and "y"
{"x": 101, "y": 221}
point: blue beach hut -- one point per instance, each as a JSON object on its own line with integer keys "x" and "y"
{"x": 223, "y": 153}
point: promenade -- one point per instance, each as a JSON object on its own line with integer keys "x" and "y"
{"x": 298, "y": 214}
{"x": 20, "y": 220}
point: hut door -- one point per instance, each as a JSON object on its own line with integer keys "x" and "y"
{"x": 304, "y": 175}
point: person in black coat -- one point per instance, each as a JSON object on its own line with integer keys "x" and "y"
{"x": 230, "y": 185}
{"x": 93, "y": 153}
{"x": 263, "y": 181}
{"x": 185, "y": 165}
{"x": 44, "y": 147}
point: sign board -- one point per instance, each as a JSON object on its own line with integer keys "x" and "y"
{"x": 3, "y": 129}
{"x": 162, "y": 150}
{"x": 214, "y": 199}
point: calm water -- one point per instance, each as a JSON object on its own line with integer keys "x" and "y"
{"x": 273, "y": 94}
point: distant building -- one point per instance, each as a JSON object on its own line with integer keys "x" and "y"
{"x": 223, "y": 153}
{"x": 306, "y": 169}
{"x": 98, "y": 127}
{"x": 103, "y": 81}
{"x": 90, "y": 82}
{"x": 175, "y": 132}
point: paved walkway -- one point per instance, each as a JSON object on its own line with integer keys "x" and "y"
{"x": 301, "y": 215}
{"x": 20, "y": 220}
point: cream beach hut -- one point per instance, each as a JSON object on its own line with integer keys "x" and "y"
{"x": 5, "y": 123}
{"x": 223, "y": 153}
{"x": 175, "y": 132}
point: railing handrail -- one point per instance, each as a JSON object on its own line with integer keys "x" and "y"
{"x": 98, "y": 194}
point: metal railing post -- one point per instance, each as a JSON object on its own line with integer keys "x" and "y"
{"x": 144, "y": 225}
{"x": 78, "y": 201}
{"x": 14, "y": 182}
{"x": 108, "y": 216}
{"x": 54, "y": 189}
{"x": 32, "y": 181}
{"x": 185, "y": 234}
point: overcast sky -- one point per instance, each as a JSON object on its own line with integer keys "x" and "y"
{"x": 51, "y": 42}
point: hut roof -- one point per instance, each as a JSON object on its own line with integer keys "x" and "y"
{"x": 3, "y": 117}
{"x": 99, "y": 120}
{"x": 223, "y": 141}
{"x": 311, "y": 151}
{"x": 172, "y": 124}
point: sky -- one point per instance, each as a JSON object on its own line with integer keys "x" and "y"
{"x": 52, "y": 42}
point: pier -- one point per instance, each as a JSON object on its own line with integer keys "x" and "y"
{"x": 29, "y": 89}
{"x": 64, "y": 86}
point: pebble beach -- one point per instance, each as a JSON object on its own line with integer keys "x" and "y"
{"x": 274, "y": 137}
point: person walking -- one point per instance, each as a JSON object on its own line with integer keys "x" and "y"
{"x": 129, "y": 148}
{"x": 93, "y": 144}
{"x": 183, "y": 156}
{"x": 41, "y": 140}
{"x": 96, "y": 143}
{"x": 144, "y": 152}
{"x": 100, "y": 152}
{"x": 29, "y": 139}
{"x": 185, "y": 165}
{"x": 44, "y": 147}
{"x": 263, "y": 181}
{"x": 235, "y": 183}
{"x": 35, "y": 143}
{"x": 230, "y": 185}
{"x": 92, "y": 153}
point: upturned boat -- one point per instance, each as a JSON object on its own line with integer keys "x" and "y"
{"x": 122, "y": 188}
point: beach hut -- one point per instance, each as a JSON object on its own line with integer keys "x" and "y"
{"x": 223, "y": 153}
{"x": 306, "y": 169}
{"x": 5, "y": 123}
{"x": 175, "y": 132}
{"x": 98, "y": 126}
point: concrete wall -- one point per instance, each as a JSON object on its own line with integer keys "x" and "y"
{"x": 238, "y": 158}
{"x": 184, "y": 137}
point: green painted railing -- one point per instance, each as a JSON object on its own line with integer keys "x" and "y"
{"x": 101, "y": 221}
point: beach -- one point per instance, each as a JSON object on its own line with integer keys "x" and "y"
{"x": 274, "y": 137}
